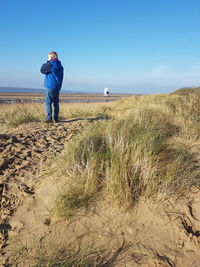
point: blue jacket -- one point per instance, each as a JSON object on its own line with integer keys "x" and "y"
{"x": 54, "y": 74}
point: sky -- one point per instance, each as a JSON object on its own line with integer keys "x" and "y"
{"x": 130, "y": 46}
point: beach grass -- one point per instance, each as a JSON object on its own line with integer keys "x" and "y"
{"x": 139, "y": 152}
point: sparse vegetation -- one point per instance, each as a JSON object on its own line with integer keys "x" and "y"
{"x": 72, "y": 254}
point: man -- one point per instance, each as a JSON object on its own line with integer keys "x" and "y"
{"x": 53, "y": 71}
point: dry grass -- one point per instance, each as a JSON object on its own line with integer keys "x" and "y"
{"x": 16, "y": 114}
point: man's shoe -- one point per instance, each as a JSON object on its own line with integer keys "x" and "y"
{"x": 48, "y": 121}
{"x": 56, "y": 121}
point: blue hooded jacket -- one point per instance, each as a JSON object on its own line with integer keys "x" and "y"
{"x": 54, "y": 74}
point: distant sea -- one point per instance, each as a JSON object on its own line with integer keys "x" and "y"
{"x": 37, "y": 90}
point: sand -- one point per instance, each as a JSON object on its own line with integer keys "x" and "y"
{"x": 148, "y": 236}
{"x": 24, "y": 152}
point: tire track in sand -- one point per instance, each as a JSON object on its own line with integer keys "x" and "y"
{"x": 23, "y": 153}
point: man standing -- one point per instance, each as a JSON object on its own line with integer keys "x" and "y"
{"x": 53, "y": 71}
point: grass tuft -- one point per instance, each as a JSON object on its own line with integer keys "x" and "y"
{"x": 69, "y": 200}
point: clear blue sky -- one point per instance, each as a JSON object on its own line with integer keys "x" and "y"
{"x": 136, "y": 46}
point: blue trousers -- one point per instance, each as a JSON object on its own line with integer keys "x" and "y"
{"x": 52, "y": 97}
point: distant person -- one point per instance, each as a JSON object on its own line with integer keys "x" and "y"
{"x": 53, "y": 71}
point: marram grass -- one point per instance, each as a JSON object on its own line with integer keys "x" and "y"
{"x": 134, "y": 155}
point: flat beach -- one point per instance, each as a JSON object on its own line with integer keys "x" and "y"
{"x": 39, "y": 97}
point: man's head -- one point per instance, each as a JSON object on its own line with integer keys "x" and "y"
{"x": 52, "y": 55}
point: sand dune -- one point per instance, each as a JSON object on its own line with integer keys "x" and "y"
{"x": 152, "y": 234}
{"x": 155, "y": 232}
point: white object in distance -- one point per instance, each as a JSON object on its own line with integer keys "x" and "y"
{"x": 106, "y": 91}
